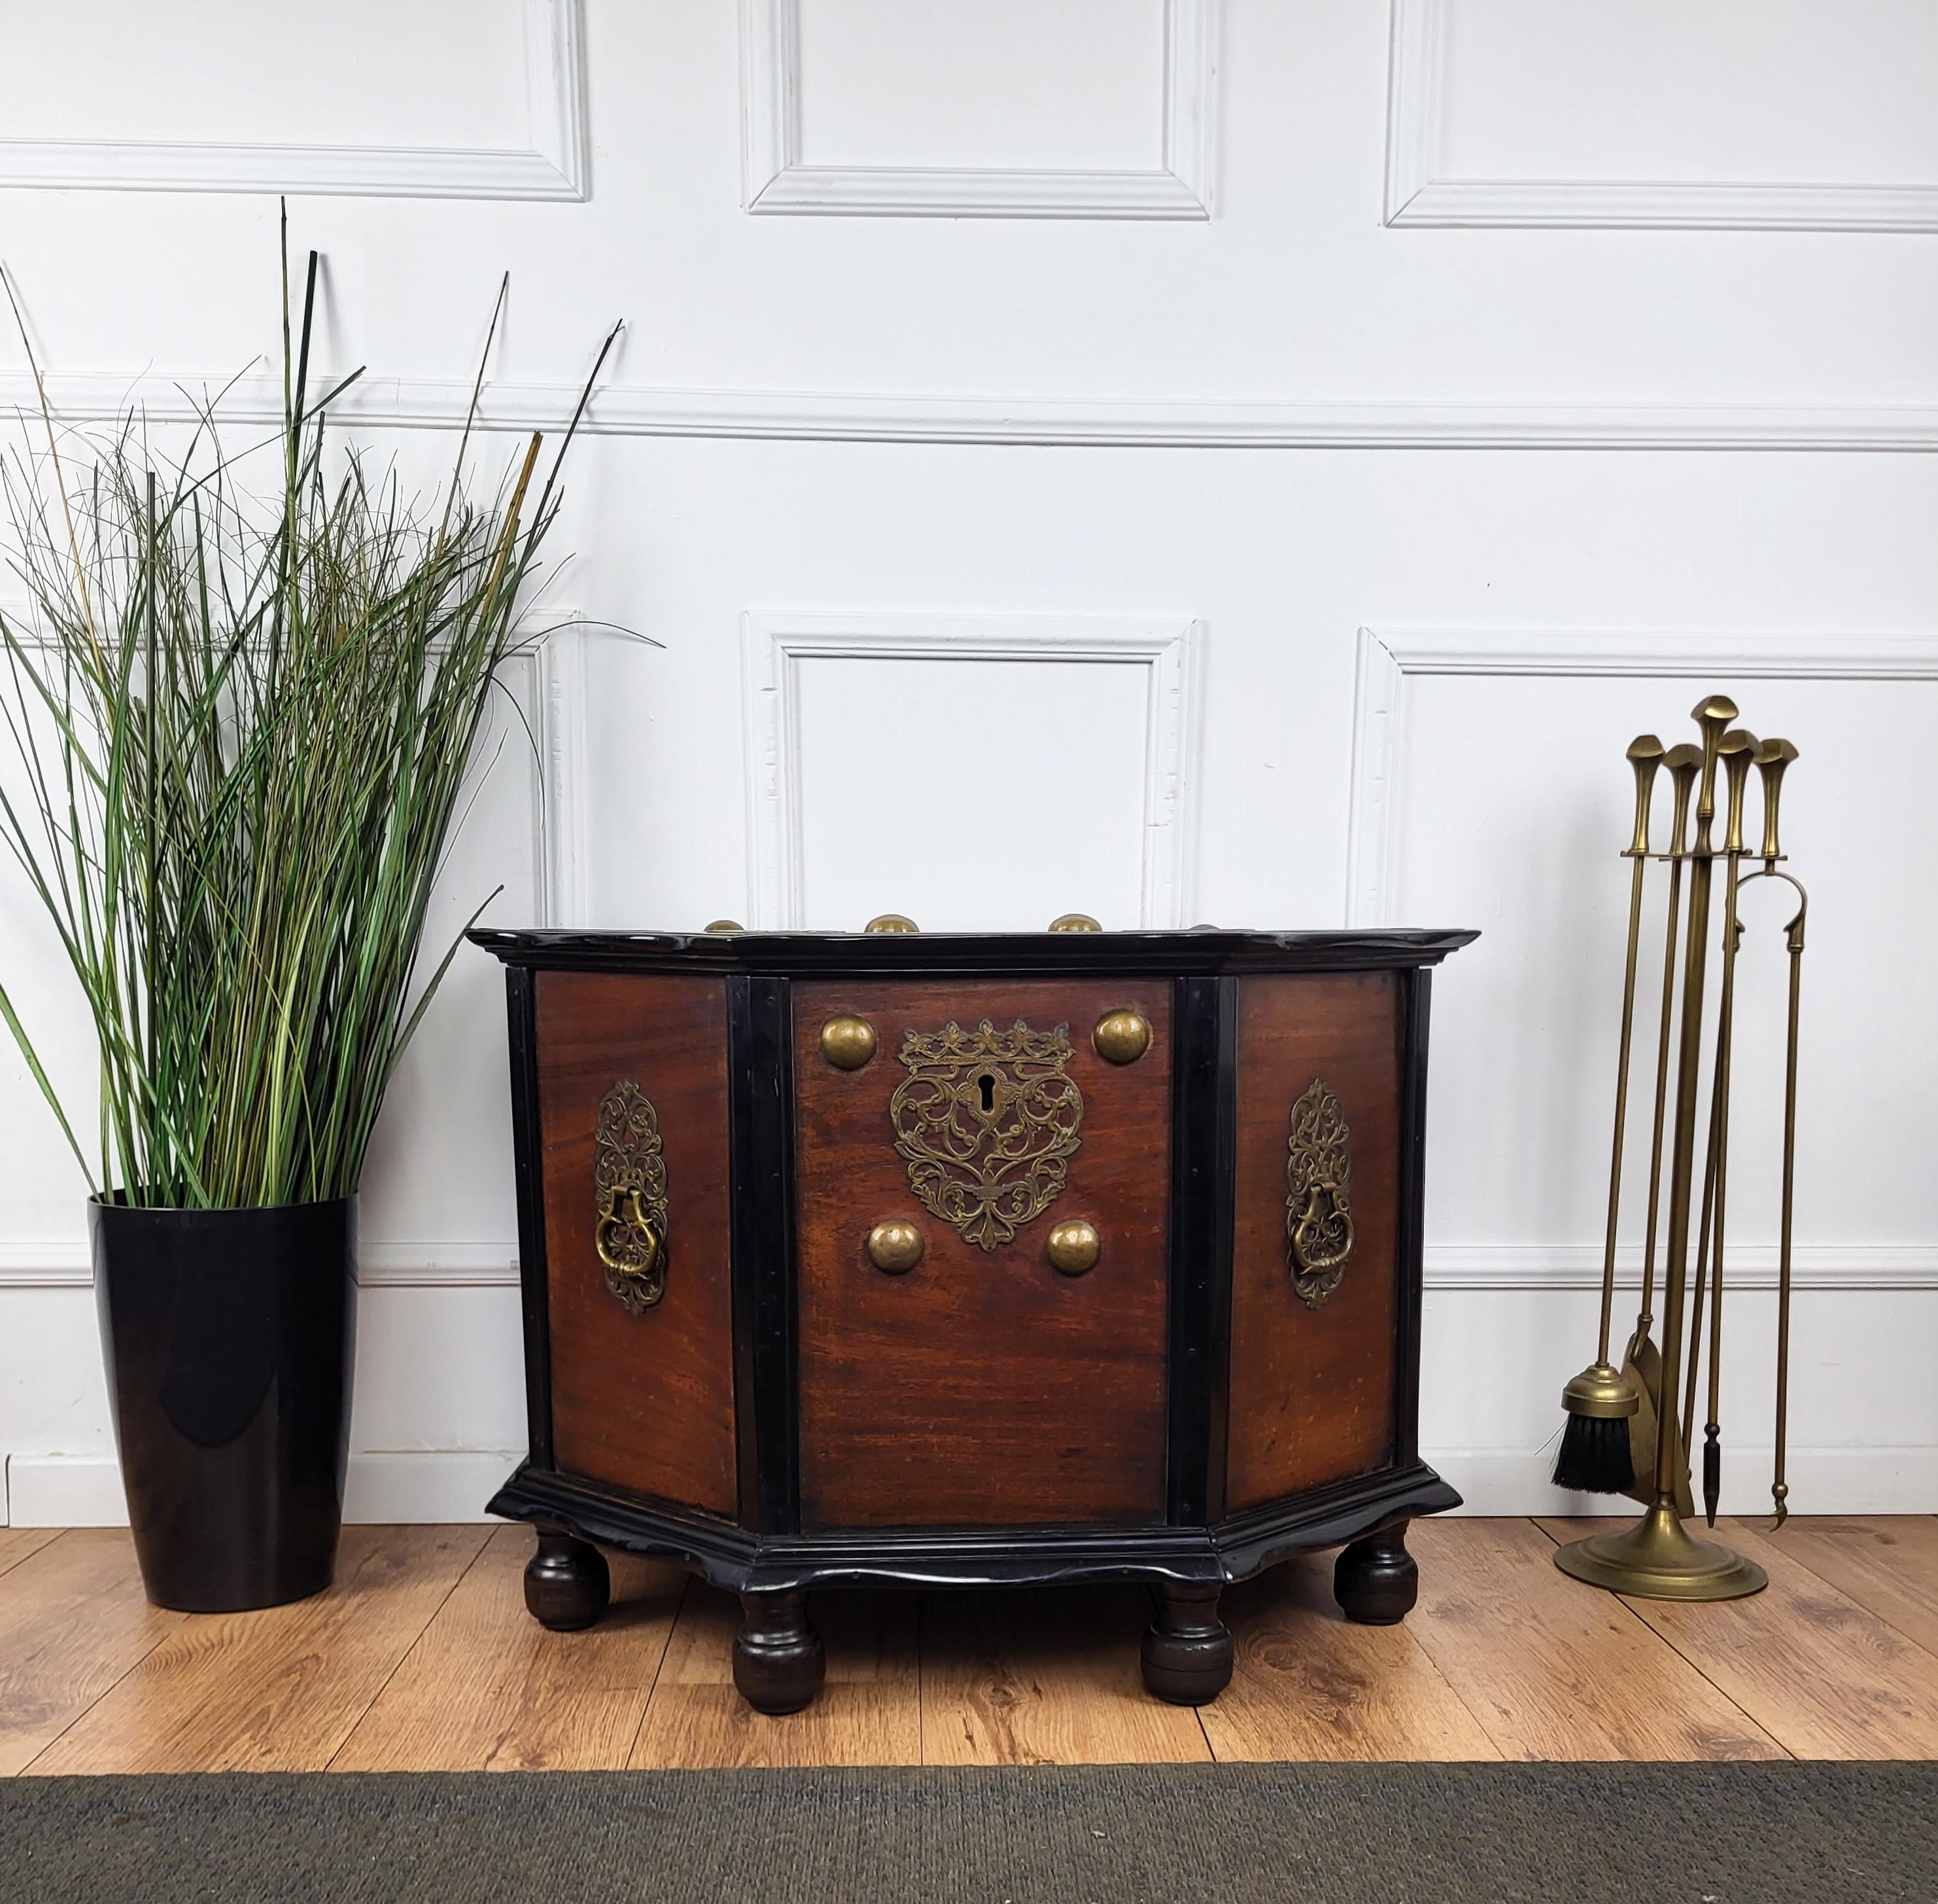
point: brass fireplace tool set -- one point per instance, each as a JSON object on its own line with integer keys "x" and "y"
{"x": 1625, "y": 1433}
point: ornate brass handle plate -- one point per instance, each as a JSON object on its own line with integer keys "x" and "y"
{"x": 987, "y": 1122}
{"x": 1318, "y": 1188}
{"x": 629, "y": 1181}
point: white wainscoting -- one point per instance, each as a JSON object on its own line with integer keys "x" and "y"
{"x": 552, "y": 165}
{"x": 1420, "y": 189}
{"x": 780, "y": 644}
{"x": 776, "y": 180}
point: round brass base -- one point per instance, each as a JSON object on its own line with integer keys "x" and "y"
{"x": 1658, "y": 1558}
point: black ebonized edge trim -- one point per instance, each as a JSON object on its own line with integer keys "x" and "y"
{"x": 723, "y": 1552}
{"x": 1409, "y": 1252}
{"x": 522, "y": 1010}
{"x": 1328, "y": 1516}
{"x": 761, "y": 1065}
{"x": 743, "y": 1217}
{"x": 942, "y": 955}
{"x": 1226, "y": 1217}
{"x": 983, "y": 1556}
{"x": 1200, "y": 1244}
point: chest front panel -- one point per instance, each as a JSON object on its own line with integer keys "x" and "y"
{"x": 982, "y": 1383}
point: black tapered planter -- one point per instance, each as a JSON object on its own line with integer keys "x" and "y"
{"x": 230, "y": 1337}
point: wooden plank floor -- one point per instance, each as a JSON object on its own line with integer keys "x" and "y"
{"x": 422, "y": 1656}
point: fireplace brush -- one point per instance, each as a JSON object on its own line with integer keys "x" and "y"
{"x": 1628, "y": 1427}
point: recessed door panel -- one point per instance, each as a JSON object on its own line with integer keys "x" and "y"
{"x": 632, "y": 1111}
{"x": 982, "y": 1383}
{"x": 1314, "y": 1287}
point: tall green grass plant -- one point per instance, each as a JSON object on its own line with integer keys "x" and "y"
{"x": 244, "y": 726}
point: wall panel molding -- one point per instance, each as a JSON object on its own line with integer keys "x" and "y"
{"x": 778, "y": 644}
{"x": 61, "y": 1263}
{"x": 775, "y": 179}
{"x": 553, "y": 166}
{"x": 1420, "y": 191}
{"x": 1388, "y": 658}
{"x": 1182, "y": 423}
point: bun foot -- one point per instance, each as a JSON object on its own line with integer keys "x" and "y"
{"x": 778, "y": 1661}
{"x": 1187, "y": 1648}
{"x": 567, "y": 1584}
{"x": 1376, "y": 1580}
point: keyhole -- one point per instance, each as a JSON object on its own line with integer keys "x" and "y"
{"x": 988, "y": 1085}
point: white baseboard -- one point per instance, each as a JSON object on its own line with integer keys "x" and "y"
{"x": 383, "y": 1488}
{"x": 1822, "y": 1480}
{"x": 64, "y": 1490}
{"x": 453, "y": 1484}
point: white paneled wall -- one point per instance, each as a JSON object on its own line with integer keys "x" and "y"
{"x": 1196, "y": 459}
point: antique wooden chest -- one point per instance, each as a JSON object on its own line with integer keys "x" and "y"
{"x": 962, "y": 1260}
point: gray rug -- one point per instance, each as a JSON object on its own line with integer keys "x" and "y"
{"x": 1402, "y": 1834}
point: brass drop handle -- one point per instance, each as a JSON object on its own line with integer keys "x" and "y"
{"x": 628, "y": 1242}
{"x": 1322, "y": 1230}
{"x": 1074, "y": 1247}
{"x": 629, "y": 1199}
{"x": 895, "y": 1247}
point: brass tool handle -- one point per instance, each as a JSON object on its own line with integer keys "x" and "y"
{"x": 1772, "y": 757}
{"x": 1736, "y": 747}
{"x": 1713, "y": 715}
{"x": 1645, "y": 753}
{"x": 1684, "y": 763}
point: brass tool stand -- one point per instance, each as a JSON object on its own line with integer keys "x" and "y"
{"x": 1658, "y": 1558}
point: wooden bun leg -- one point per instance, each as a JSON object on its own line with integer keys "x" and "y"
{"x": 778, "y": 1660}
{"x": 1187, "y": 1648}
{"x": 567, "y": 1584}
{"x": 1376, "y": 1580}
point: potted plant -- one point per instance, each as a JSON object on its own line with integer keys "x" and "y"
{"x": 242, "y": 727}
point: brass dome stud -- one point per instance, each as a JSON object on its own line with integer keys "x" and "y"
{"x": 1074, "y": 1247}
{"x": 1074, "y": 922}
{"x": 847, "y": 1042}
{"x": 892, "y": 922}
{"x": 894, "y": 1247}
{"x": 1122, "y": 1037}
{"x": 725, "y": 925}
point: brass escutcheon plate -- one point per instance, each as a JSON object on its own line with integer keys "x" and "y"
{"x": 987, "y": 1122}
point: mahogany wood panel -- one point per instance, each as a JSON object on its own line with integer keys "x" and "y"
{"x": 1312, "y": 1391}
{"x": 644, "y": 1402}
{"x": 981, "y": 1386}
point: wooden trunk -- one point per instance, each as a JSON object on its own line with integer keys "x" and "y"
{"x": 970, "y": 1260}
